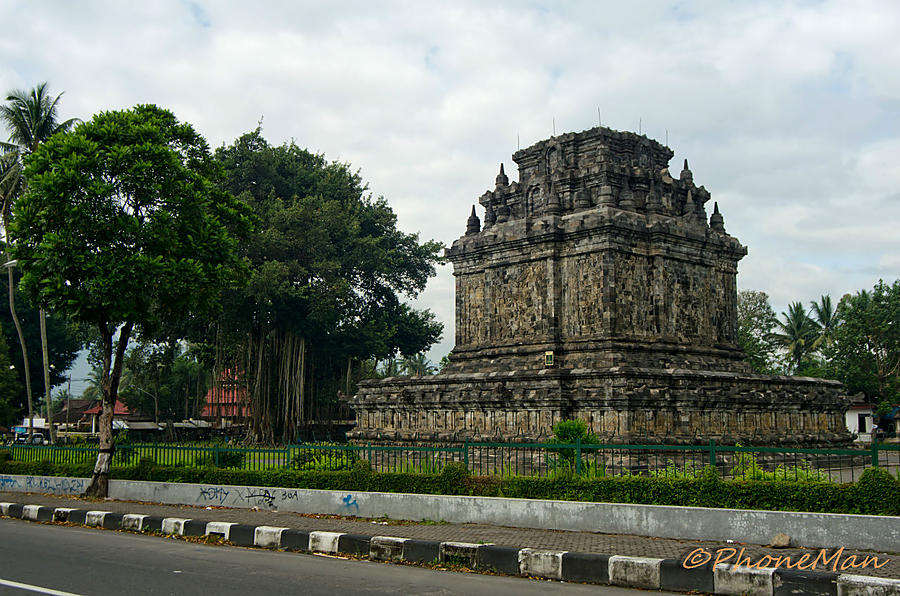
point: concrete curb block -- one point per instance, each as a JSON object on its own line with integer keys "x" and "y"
{"x": 324, "y": 542}
{"x": 61, "y": 514}
{"x": 222, "y": 529}
{"x": 752, "y": 582}
{"x": 386, "y": 548}
{"x": 864, "y": 585}
{"x": 794, "y": 582}
{"x": 267, "y": 536}
{"x": 95, "y": 518}
{"x": 541, "y": 563}
{"x": 636, "y": 572}
{"x": 133, "y": 522}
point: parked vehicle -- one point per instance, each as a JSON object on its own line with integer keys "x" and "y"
{"x": 35, "y": 439}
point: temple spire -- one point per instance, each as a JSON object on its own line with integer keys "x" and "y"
{"x": 686, "y": 174}
{"x": 716, "y": 221}
{"x": 502, "y": 180}
{"x": 473, "y": 224}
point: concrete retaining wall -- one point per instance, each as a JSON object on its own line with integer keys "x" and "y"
{"x": 814, "y": 530}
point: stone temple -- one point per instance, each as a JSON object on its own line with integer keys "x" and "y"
{"x": 598, "y": 288}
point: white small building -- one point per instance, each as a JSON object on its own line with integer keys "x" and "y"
{"x": 860, "y": 421}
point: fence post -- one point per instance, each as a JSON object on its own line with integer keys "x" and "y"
{"x": 466, "y": 453}
{"x": 874, "y": 450}
{"x": 216, "y": 454}
{"x": 578, "y": 456}
{"x": 712, "y": 452}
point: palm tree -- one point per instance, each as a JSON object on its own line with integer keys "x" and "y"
{"x": 31, "y": 119}
{"x": 827, "y": 318}
{"x": 418, "y": 365}
{"x": 798, "y": 333}
{"x": 390, "y": 368}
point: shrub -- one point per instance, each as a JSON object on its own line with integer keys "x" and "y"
{"x": 453, "y": 478}
{"x": 226, "y": 459}
{"x": 562, "y": 464}
{"x": 877, "y": 492}
{"x": 325, "y": 461}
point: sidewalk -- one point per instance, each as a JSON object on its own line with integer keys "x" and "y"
{"x": 581, "y": 542}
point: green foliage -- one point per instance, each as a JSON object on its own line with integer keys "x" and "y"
{"x": 876, "y": 493}
{"x": 124, "y": 451}
{"x": 64, "y": 339}
{"x": 165, "y": 380}
{"x": 453, "y": 478}
{"x": 673, "y": 470}
{"x": 568, "y": 432}
{"x": 226, "y": 458}
{"x": 747, "y": 467}
{"x": 798, "y": 335}
{"x": 756, "y": 326}
{"x": 122, "y": 228}
{"x": 11, "y": 398}
{"x": 329, "y": 272}
{"x": 328, "y": 461}
{"x": 120, "y": 222}
{"x": 865, "y": 350}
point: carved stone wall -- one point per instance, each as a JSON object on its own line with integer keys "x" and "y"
{"x": 619, "y": 404}
{"x": 598, "y": 255}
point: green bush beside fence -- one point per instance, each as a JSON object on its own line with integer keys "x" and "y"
{"x": 877, "y": 492}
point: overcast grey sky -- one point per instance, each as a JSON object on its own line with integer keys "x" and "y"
{"x": 787, "y": 111}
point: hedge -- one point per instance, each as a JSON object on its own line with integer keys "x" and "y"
{"x": 877, "y": 492}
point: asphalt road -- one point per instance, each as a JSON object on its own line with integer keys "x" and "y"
{"x": 48, "y": 559}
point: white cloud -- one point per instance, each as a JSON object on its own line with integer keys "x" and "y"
{"x": 788, "y": 111}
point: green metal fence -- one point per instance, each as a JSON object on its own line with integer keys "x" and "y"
{"x": 504, "y": 459}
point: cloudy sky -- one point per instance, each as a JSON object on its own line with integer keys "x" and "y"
{"x": 787, "y": 111}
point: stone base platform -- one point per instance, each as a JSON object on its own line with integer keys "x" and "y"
{"x": 620, "y": 404}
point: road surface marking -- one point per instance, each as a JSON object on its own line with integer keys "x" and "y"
{"x": 38, "y": 589}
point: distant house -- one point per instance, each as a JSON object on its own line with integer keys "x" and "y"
{"x": 226, "y": 404}
{"x": 72, "y": 416}
{"x": 120, "y": 413}
{"x": 863, "y": 422}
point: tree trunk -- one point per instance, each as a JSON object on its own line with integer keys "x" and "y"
{"x": 46, "y": 360}
{"x": 112, "y": 373}
{"x": 15, "y": 318}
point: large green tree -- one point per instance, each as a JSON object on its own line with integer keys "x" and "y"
{"x": 122, "y": 227}
{"x": 756, "y": 330}
{"x": 330, "y": 270}
{"x": 31, "y": 118}
{"x": 865, "y": 350}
